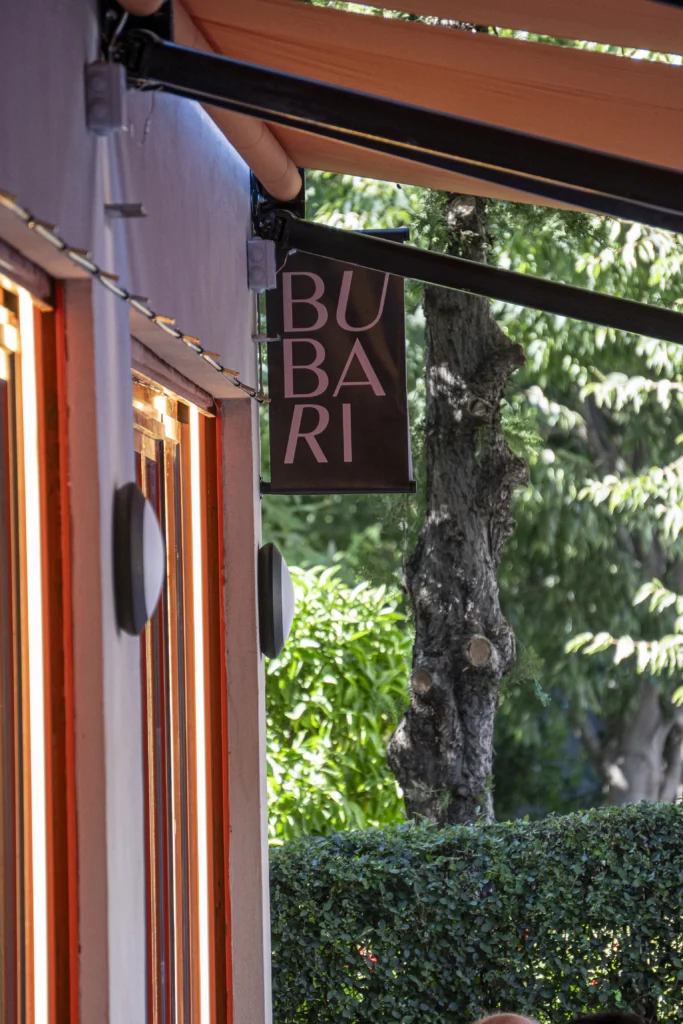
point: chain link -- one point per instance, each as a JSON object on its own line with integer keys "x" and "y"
{"x": 83, "y": 260}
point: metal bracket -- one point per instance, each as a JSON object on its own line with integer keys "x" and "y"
{"x": 262, "y": 201}
{"x": 271, "y": 222}
{"x": 261, "y": 264}
{"x": 114, "y": 20}
{"x": 125, "y": 210}
{"x": 105, "y": 97}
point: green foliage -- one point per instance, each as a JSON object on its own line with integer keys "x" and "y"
{"x": 651, "y": 500}
{"x": 600, "y": 514}
{"x": 334, "y": 696}
{"x": 413, "y": 924}
{"x": 521, "y": 432}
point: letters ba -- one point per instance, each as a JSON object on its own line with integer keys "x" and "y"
{"x": 337, "y": 380}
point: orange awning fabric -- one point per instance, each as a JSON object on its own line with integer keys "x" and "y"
{"x": 611, "y": 104}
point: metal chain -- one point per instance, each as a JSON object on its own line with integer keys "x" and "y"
{"x": 165, "y": 323}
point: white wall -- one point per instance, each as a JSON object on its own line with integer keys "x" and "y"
{"x": 188, "y": 258}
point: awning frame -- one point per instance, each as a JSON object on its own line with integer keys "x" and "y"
{"x": 436, "y": 268}
{"x": 600, "y": 182}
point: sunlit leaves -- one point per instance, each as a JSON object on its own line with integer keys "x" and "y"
{"x": 657, "y": 657}
{"x": 617, "y": 390}
{"x": 334, "y": 696}
{"x": 660, "y": 490}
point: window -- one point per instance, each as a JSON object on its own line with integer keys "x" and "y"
{"x": 12, "y": 802}
{"x": 38, "y": 926}
{"x": 183, "y": 689}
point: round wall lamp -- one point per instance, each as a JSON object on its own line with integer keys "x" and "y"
{"x": 275, "y": 600}
{"x": 139, "y": 559}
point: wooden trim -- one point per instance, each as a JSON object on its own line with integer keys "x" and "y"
{"x": 58, "y": 661}
{"x": 175, "y": 671}
{"x": 24, "y": 767}
{"x": 217, "y": 725}
{"x": 13, "y": 952}
{"x": 147, "y": 800}
{"x": 193, "y": 853}
{"x": 67, "y": 628}
{"x": 218, "y": 583}
{"x": 28, "y": 275}
{"x": 150, "y": 365}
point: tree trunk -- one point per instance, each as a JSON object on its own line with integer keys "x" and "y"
{"x": 645, "y": 763}
{"x": 441, "y": 752}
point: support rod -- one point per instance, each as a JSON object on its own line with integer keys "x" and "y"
{"x": 467, "y": 276}
{"x": 596, "y": 181}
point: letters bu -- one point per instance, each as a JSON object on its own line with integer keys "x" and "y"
{"x": 337, "y": 380}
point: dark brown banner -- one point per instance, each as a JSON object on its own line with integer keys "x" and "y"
{"x": 337, "y": 380}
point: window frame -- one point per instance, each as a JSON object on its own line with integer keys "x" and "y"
{"x": 39, "y": 442}
{"x": 197, "y": 899}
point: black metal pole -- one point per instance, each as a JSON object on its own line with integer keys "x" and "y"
{"x": 613, "y": 186}
{"x": 468, "y": 276}
{"x": 597, "y": 202}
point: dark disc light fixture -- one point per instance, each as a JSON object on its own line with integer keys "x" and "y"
{"x": 275, "y": 599}
{"x": 139, "y": 559}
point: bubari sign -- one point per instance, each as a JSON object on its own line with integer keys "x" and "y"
{"x": 337, "y": 381}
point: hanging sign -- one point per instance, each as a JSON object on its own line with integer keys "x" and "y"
{"x": 337, "y": 380}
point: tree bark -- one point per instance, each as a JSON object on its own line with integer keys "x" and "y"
{"x": 441, "y": 752}
{"x": 645, "y": 762}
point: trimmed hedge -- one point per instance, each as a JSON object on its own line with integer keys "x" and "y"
{"x": 419, "y": 924}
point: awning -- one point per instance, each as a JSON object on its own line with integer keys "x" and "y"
{"x": 598, "y": 101}
{"x": 457, "y": 109}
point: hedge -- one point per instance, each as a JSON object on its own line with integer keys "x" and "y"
{"x": 413, "y": 923}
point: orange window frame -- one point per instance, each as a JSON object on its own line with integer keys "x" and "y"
{"x": 184, "y": 445}
{"x": 62, "y": 877}
{"x": 47, "y": 385}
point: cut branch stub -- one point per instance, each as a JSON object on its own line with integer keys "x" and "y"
{"x": 420, "y": 682}
{"x": 479, "y": 410}
{"x": 478, "y": 651}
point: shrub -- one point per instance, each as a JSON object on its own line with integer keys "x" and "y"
{"x": 334, "y": 696}
{"x": 418, "y": 924}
